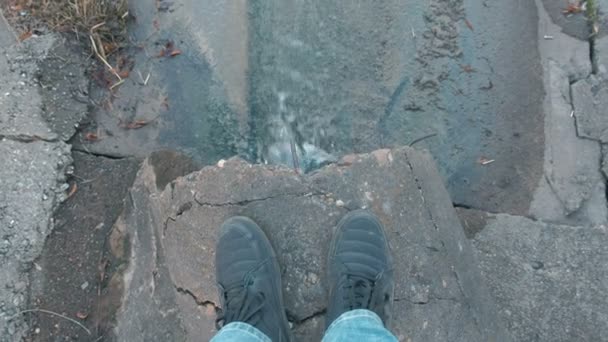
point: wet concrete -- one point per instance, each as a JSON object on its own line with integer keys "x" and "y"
{"x": 265, "y": 80}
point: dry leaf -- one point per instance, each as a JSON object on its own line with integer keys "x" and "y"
{"x": 91, "y": 136}
{"x": 25, "y": 35}
{"x": 73, "y": 190}
{"x": 572, "y": 8}
{"x": 469, "y": 25}
{"x": 135, "y": 124}
{"x": 169, "y": 50}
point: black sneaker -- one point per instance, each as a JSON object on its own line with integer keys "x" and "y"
{"x": 249, "y": 279}
{"x": 360, "y": 269}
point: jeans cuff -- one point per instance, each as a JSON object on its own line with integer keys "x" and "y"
{"x": 360, "y": 315}
{"x": 243, "y": 331}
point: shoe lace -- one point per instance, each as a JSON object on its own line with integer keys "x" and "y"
{"x": 358, "y": 291}
{"x": 241, "y": 305}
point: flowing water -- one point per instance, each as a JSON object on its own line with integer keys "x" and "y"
{"x": 302, "y": 83}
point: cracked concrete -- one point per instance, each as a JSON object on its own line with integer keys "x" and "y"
{"x": 572, "y": 189}
{"x": 171, "y": 270}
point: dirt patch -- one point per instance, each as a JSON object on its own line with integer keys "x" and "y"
{"x": 75, "y": 270}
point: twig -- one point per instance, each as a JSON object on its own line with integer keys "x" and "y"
{"x": 141, "y": 77}
{"x": 112, "y": 70}
{"x": 117, "y": 84}
{"x": 422, "y": 138}
{"x": 51, "y": 313}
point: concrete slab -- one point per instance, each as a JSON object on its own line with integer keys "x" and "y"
{"x": 571, "y": 189}
{"x": 172, "y": 234}
{"x": 549, "y": 280}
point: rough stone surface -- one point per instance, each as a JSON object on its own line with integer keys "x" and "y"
{"x": 550, "y": 281}
{"x": 170, "y": 291}
{"x": 590, "y": 101}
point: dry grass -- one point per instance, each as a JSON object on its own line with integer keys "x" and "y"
{"x": 100, "y": 23}
{"x": 104, "y": 19}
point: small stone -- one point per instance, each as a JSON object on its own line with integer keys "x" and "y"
{"x": 20, "y": 285}
{"x": 37, "y": 331}
{"x": 312, "y": 278}
{"x": 221, "y": 163}
{"x": 537, "y": 265}
{"x": 339, "y": 203}
{"x": 84, "y": 285}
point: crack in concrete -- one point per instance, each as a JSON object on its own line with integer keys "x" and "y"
{"x": 430, "y": 300}
{"x": 198, "y": 301}
{"x": 180, "y": 211}
{"x": 297, "y": 322}
{"x": 254, "y": 200}
{"x": 24, "y": 138}
{"x": 103, "y": 155}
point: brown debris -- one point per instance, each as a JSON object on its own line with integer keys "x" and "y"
{"x": 573, "y": 8}
{"x": 169, "y": 50}
{"x": 91, "y": 136}
{"x": 467, "y": 68}
{"x": 25, "y": 35}
{"x": 469, "y": 25}
{"x": 135, "y": 124}
{"x": 73, "y": 190}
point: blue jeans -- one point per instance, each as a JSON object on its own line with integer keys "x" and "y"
{"x": 351, "y": 326}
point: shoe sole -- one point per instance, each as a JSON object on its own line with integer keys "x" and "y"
{"x": 256, "y": 230}
{"x": 334, "y": 241}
